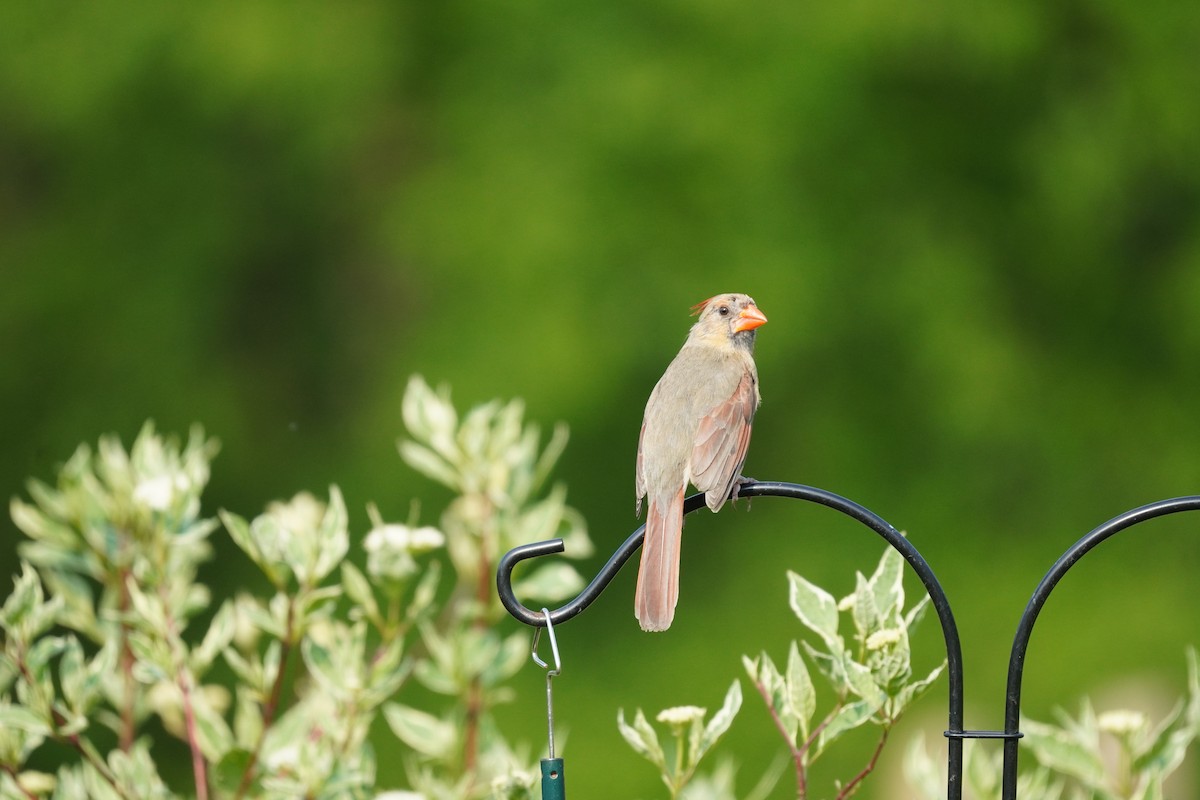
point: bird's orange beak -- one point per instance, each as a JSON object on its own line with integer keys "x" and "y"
{"x": 749, "y": 318}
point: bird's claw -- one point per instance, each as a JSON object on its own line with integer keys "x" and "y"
{"x": 735, "y": 493}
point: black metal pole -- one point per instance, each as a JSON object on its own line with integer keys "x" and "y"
{"x": 941, "y": 605}
{"x": 1016, "y": 664}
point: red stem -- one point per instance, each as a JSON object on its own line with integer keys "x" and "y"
{"x": 812, "y": 738}
{"x": 12, "y": 773}
{"x": 78, "y": 743}
{"x": 796, "y": 753}
{"x": 475, "y": 699}
{"x": 272, "y": 705}
{"x": 183, "y": 679}
{"x": 189, "y": 716}
{"x": 475, "y": 691}
{"x": 128, "y": 724}
{"x": 851, "y": 787}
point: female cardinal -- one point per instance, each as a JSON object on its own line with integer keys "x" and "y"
{"x": 695, "y": 430}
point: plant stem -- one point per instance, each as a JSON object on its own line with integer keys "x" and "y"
{"x": 128, "y": 724}
{"x": 57, "y": 721}
{"x": 272, "y": 704}
{"x": 184, "y": 681}
{"x": 471, "y": 734}
{"x": 12, "y": 773}
{"x": 796, "y": 753}
{"x": 851, "y": 787}
{"x": 812, "y": 737}
{"x": 678, "y": 779}
{"x": 199, "y": 768}
{"x": 802, "y": 789}
{"x": 92, "y": 757}
{"x": 483, "y": 595}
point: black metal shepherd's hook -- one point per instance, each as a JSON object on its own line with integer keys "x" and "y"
{"x": 851, "y": 509}
{"x": 954, "y": 732}
{"x": 1016, "y": 663}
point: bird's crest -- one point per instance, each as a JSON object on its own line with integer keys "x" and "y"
{"x": 698, "y": 309}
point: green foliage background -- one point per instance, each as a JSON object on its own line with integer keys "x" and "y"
{"x": 975, "y": 229}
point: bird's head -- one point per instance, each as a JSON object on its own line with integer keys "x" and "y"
{"x": 726, "y": 319}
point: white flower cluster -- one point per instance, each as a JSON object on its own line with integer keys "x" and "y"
{"x": 390, "y": 548}
{"x": 158, "y": 493}
{"x": 1122, "y": 722}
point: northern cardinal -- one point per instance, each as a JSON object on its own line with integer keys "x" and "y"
{"x": 695, "y": 430}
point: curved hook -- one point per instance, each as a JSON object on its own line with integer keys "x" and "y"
{"x": 1016, "y": 664}
{"x": 590, "y": 592}
{"x": 509, "y": 561}
{"x": 762, "y": 489}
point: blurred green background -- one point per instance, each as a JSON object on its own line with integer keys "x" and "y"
{"x": 975, "y": 229}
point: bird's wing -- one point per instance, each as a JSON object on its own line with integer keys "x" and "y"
{"x": 639, "y": 478}
{"x": 721, "y": 441}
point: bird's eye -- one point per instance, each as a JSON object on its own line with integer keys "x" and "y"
{"x": 723, "y": 311}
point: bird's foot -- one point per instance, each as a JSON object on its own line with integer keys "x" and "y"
{"x": 738, "y": 483}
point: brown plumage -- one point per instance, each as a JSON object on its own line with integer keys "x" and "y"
{"x": 695, "y": 430}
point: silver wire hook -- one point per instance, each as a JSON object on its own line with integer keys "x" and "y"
{"x": 537, "y": 635}
{"x": 550, "y": 673}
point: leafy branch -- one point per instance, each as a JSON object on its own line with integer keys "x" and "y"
{"x": 691, "y": 737}
{"x": 99, "y": 630}
{"x": 871, "y": 675}
{"x": 1118, "y": 754}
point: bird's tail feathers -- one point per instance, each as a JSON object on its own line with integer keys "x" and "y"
{"x": 658, "y": 575}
